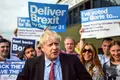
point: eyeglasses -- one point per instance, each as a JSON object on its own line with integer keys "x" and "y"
{"x": 89, "y": 50}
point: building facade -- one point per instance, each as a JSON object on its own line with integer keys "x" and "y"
{"x": 75, "y": 6}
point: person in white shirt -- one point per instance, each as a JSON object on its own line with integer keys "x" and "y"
{"x": 105, "y": 56}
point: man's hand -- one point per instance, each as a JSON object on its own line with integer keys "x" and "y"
{"x": 15, "y": 32}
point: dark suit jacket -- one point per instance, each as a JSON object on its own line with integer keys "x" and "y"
{"x": 72, "y": 68}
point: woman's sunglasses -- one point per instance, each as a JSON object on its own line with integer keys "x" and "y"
{"x": 39, "y": 47}
{"x": 89, "y": 50}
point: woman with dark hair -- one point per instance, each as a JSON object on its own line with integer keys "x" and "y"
{"x": 89, "y": 58}
{"x": 112, "y": 68}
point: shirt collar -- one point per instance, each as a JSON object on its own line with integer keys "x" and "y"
{"x": 48, "y": 62}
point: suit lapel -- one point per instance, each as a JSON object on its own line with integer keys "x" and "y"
{"x": 64, "y": 67}
{"x": 40, "y": 68}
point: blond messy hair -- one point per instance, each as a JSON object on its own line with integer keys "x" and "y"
{"x": 49, "y": 35}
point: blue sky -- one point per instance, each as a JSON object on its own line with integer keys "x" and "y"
{"x": 10, "y": 10}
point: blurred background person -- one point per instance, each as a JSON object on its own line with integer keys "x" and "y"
{"x": 69, "y": 44}
{"x": 77, "y": 47}
{"x": 112, "y": 67}
{"x": 29, "y": 52}
{"x": 38, "y": 49}
{"x": 4, "y": 49}
{"x": 105, "y": 56}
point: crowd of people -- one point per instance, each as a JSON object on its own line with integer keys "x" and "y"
{"x": 76, "y": 62}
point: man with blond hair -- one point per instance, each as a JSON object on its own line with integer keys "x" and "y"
{"x": 53, "y": 65}
{"x": 69, "y": 44}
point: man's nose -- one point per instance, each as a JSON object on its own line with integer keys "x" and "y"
{"x": 107, "y": 47}
{"x": 87, "y": 52}
{"x": 33, "y": 54}
{"x": 116, "y": 52}
{"x": 5, "y": 48}
{"x": 55, "y": 46}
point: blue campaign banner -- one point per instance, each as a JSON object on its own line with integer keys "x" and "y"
{"x": 9, "y": 70}
{"x": 18, "y": 44}
{"x": 44, "y": 15}
{"x": 98, "y": 14}
{"x": 23, "y": 22}
{"x": 11, "y": 67}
